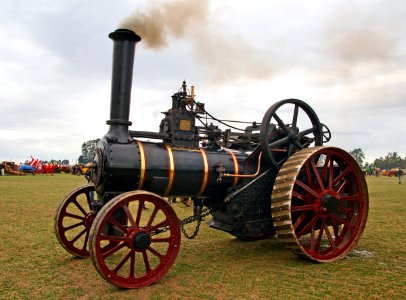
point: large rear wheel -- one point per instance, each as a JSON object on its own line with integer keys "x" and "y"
{"x": 320, "y": 203}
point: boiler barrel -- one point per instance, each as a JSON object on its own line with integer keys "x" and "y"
{"x": 168, "y": 171}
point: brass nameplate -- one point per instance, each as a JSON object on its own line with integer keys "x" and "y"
{"x": 185, "y": 125}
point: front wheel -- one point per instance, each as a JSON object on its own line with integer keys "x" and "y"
{"x": 146, "y": 231}
{"x": 73, "y": 219}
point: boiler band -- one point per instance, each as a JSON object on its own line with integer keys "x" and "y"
{"x": 163, "y": 169}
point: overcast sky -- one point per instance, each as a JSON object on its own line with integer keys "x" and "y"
{"x": 346, "y": 59}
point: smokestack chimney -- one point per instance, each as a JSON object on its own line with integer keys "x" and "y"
{"x": 123, "y": 61}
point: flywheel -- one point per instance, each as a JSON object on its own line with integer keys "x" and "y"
{"x": 320, "y": 203}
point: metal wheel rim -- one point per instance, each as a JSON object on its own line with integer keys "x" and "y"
{"x": 319, "y": 218}
{"x": 123, "y": 253}
{"x": 77, "y": 241}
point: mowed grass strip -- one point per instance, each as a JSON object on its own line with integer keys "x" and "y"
{"x": 214, "y": 265}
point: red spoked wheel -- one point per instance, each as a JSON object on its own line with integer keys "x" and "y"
{"x": 148, "y": 241}
{"x": 320, "y": 203}
{"x": 73, "y": 220}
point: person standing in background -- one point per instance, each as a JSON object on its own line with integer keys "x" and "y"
{"x": 399, "y": 173}
{"x": 2, "y": 167}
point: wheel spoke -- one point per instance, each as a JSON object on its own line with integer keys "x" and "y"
{"x": 118, "y": 225}
{"x": 278, "y": 143}
{"x": 309, "y": 176}
{"x": 78, "y": 236}
{"x": 146, "y": 261}
{"x": 79, "y": 207}
{"x": 306, "y": 132}
{"x": 290, "y": 149}
{"x": 299, "y": 221}
{"x": 74, "y": 216}
{"x": 325, "y": 166}
{"x": 327, "y": 172}
{"x": 295, "y": 114}
{"x": 86, "y": 239}
{"x": 302, "y": 208}
{"x": 164, "y": 223}
{"x": 312, "y": 237}
{"x": 347, "y": 211}
{"x": 111, "y": 250}
{"x": 113, "y": 238}
{"x": 316, "y": 173}
{"x": 307, "y": 188}
{"x": 139, "y": 212}
{"x": 152, "y": 218}
{"x": 156, "y": 253}
{"x": 343, "y": 186}
{"x": 132, "y": 265}
{"x": 319, "y": 237}
{"x": 335, "y": 228}
{"x": 297, "y": 144}
{"x": 329, "y": 237}
{"x": 355, "y": 197}
{"x": 128, "y": 214}
{"x": 281, "y": 123}
{"x": 123, "y": 261}
{"x": 306, "y": 228}
{"x": 341, "y": 175}
{"x": 73, "y": 226}
{"x": 296, "y": 195}
{"x": 160, "y": 240}
{"x": 341, "y": 220}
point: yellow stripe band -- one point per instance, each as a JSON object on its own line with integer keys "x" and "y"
{"x": 142, "y": 167}
{"x": 205, "y": 179}
{"x": 171, "y": 171}
{"x": 236, "y": 166}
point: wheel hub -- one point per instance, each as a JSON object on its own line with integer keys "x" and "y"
{"x": 88, "y": 221}
{"x": 294, "y": 133}
{"x": 141, "y": 241}
{"x": 328, "y": 204}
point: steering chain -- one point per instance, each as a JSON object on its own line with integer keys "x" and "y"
{"x": 205, "y": 212}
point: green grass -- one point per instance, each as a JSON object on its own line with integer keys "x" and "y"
{"x": 214, "y": 265}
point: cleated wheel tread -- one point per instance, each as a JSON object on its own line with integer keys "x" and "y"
{"x": 320, "y": 212}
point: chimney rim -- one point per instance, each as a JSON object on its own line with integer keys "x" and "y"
{"x": 124, "y": 34}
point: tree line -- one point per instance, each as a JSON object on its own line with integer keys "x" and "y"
{"x": 391, "y": 161}
{"x": 88, "y": 151}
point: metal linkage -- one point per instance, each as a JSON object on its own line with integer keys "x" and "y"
{"x": 188, "y": 220}
{"x": 191, "y": 219}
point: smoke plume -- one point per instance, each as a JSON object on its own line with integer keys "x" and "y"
{"x": 225, "y": 56}
{"x": 162, "y": 20}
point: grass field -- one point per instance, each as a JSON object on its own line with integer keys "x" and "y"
{"x": 214, "y": 265}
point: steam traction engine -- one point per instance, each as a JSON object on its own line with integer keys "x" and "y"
{"x": 269, "y": 178}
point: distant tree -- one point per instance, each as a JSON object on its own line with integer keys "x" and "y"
{"x": 65, "y": 162}
{"x": 358, "y": 155}
{"x": 88, "y": 151}
{"x": 379, "y": 163}
{"x": 391, "y": 161}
